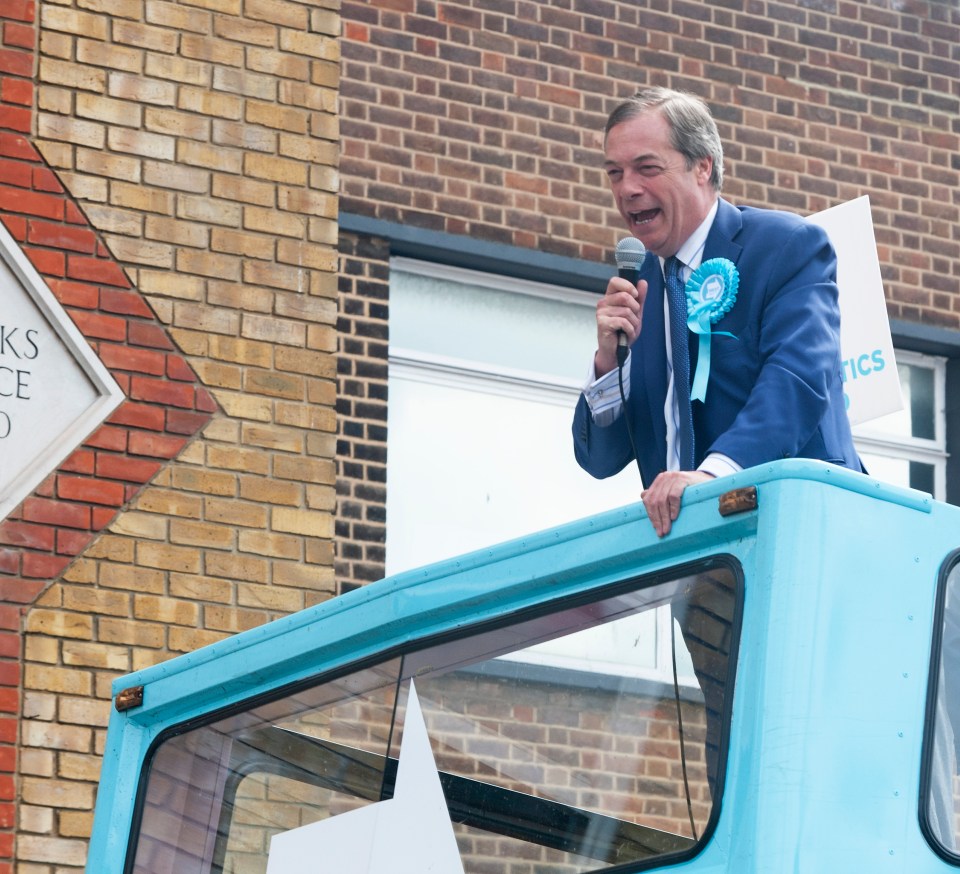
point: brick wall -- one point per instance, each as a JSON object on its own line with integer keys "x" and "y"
{"x": 483, "y": 119}
{"x": 362, "y": 410}
{"x": 171, "y": 171}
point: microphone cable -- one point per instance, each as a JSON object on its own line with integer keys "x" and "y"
{"x": 621, "y": 360}
{"x": 630, "y": 253}
{"x": 622, "y": 350}
{"x": 680, "y": 732}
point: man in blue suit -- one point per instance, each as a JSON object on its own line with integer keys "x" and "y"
{"x": 774, "y": 387}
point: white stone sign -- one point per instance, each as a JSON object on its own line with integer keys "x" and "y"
{"x": 54, "y": 391}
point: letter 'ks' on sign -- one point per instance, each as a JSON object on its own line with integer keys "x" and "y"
{"x": 20, "y": 347}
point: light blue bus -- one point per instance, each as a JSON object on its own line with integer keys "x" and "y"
{"x": 771, "y": 688}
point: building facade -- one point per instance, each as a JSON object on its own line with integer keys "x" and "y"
{"x": 303, "y": 236}
{"x": 170, "y": 171}
{"x": 471, "y": 138}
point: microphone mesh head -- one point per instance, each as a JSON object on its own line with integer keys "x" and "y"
{"x": 630, "y": 253}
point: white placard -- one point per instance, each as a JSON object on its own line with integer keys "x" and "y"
{"x": 54, "y": 390}
{"x": 870, "y": 380}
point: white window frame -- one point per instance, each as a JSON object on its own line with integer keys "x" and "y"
{"x": 926, "y": 451}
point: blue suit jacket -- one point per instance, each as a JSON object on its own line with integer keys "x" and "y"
{"x": 775, "y": 388}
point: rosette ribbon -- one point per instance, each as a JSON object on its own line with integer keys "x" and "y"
{"x": 711, "y": 293}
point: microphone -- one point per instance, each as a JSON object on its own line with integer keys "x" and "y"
{"x": 629, "y": 255}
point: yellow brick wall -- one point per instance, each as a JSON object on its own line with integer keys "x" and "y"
{"x": 200, "y": 139}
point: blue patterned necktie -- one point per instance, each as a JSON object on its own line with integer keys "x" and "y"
{"x": 677, "y": 300}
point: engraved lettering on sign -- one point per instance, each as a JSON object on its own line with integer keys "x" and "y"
{"x": 19, "y": 347}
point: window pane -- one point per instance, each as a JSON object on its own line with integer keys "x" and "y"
{"x": 491, "y": 327}
{"x": 921, "y": 398}
{"x": 562, "y": 769}
{"x": 922, "y": 477}
{"x": 918, "y": 418}
{"x": 943, "y": 803}
{"x": 483, "y": 382}
{"x": 471, "y": 466}
{"x": 214, "y": 796}
{"x": 908, "y": 448}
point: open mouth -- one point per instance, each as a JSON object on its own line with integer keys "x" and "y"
{"x": 644, "y": 216}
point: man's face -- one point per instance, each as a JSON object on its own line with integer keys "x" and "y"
{"x": 661, "y": 201}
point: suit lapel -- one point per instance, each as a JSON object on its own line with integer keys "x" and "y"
{"x": 720, "y": 241}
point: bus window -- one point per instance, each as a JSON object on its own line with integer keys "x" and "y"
{"x": 556, "y": 747}
{"x": 941, "y": 817}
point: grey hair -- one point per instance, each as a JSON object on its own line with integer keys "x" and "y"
{"x": 693, "y": 131}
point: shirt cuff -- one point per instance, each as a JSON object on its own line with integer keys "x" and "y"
{"x": 603, "y": 394}
{"x": 719, "y": 465}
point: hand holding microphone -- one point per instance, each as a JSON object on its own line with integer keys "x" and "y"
{"x": 629, "y": 255}
{"x": 619, "y": 310}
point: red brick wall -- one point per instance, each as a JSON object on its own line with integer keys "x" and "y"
{"x": 483, "y": 119}
{"x": 164, "y": 405}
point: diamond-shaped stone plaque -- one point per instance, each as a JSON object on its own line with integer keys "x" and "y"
{"x": 54, "y": 391}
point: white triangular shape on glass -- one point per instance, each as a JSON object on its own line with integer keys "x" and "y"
{"x": 54, "y": 390}
{"x": 410, "y": 833}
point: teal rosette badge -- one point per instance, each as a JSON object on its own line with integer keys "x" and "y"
{"x": 711, "y": 293}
